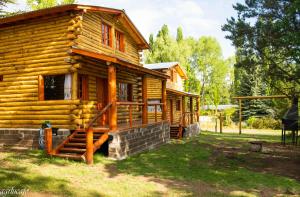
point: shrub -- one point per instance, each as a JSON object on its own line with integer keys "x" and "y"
{"x": 263, "y": 123}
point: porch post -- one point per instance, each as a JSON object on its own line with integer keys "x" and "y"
{"x": 191, "y": 109}
{"x": 198, "y": 107}
{"x": 183, "y": 110}
{"x": 145, "y": 100}
{"x": 74, "y": 85}
{"x": 112, "y": 96}
{"x": 164, "y": 99}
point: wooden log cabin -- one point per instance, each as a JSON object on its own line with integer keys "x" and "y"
{"x": 78, "y": 67}
{"x": 182, "y": 107}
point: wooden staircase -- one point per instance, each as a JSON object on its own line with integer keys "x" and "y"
{"x": 74, "y": 147}
{"x": 82, "y": 143}
{"x": 176, "y": 131}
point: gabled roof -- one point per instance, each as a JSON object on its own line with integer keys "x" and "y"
{"x": 7, "y": 21}
{"x": 168, "y": 65}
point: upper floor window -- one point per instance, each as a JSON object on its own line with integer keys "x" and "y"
{"x": 178, "y": 105}
{"x": 119, "y": 39}
{"x": 106, "y": 34}
{"x": 1, "y": 78}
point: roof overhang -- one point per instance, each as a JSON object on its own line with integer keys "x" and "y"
{"x": 121, "y": 62}
{"x": 181, "y": 71}
{"x": 7, "y": 21}
{"x": 181, "y": 93}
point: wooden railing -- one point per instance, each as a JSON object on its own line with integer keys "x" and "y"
{"x": 130, "y": 104}
{"x": 188, "y": 118}
{"x": 155, "y": 109}
{"x": 98, "y": 115}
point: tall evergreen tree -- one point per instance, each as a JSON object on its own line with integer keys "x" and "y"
{"x": 179, "y": 36}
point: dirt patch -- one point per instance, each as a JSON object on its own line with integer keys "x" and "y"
{"x": 274, "y": 158}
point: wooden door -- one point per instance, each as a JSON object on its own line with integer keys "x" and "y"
{"x": 101, "y": 91}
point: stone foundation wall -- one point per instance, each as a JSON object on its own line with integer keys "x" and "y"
{"x": 192, "y": 130}
{"x": 136, "y": 140}
{"x": 27, "y": 138}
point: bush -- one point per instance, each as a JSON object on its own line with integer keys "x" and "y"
{"x": 263, "y": 123}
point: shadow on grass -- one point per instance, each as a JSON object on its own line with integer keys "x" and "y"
{"x": 21, "y": 178}
{"x": 189, "y": 160}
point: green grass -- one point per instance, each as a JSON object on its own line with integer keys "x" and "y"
{"x": 189, "y": 167}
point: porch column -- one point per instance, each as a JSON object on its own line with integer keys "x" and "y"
{"x": 145, "y": 100}
{"x": 191, "y": 109}
{"x": 164, "y": 99}
{"x": 112, "y": 96}
{"x": 183, "y": 110}
{"x": 74, "y": 85}
{"x": 198, "y": 107}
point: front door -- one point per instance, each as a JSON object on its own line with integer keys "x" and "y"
{"x": 101, "y": 91}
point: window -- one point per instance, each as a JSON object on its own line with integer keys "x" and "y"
{"x": 54, "y": 87}
{"x": 1, "y": 78}
{"x": 178, "y": 105}
{"x": 119, "y": 38}
{"x": 83, "y": 87}
{"x": 125, "y": 92}
{"x": 106, "y": 35}
{"x": 151, "y": 108}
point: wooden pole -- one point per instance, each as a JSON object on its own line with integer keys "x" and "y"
{"x": 112, "y": 96}
{"x": 221, "y": 123}
{"x": 183, "y": 110}
{"x": 164, "y": 100}
{"x": 144, "y": 100}
{"x": 48, "y": 140}
{"x": 155, "y": 107}
{"x": 41, "y": 88}
{"x": 74, "y": 85}
{"x": 240, "y": 116}
{"x": 198, "y": 108}
{"x": 191, "y": 109}
{"x": 89, "y": 146}
{"x": 130, "y": 115}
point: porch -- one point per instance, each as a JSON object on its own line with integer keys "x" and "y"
{"x": 113, "y": 99}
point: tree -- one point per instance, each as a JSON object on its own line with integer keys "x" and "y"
{"x": 41, "y": 4}
{"x": 179, "y": 36}
{"x": 3, "y": 3}
{"x": 267, "y": 36}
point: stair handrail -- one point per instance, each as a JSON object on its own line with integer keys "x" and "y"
{"x": 99, "y": 114}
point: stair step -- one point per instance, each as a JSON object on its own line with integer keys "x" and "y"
{"x": 69, "y": 156}
{"x": 75, "y": 145}
{"x": 75, "y": 140}
{"x": 96, "y": 129}
{"x": 73, "y": 150}
{"x": 96, "y": 135}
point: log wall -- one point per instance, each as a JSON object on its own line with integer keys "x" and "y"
{"x": 154, "y": 91}
{"x": 90, "y": 38}
{"x": 28, "y": 49}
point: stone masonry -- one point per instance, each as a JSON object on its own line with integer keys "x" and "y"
{"x": 26, "y": 138}
{"x": 192, "y": 130}
{"x": 136, "y": 140}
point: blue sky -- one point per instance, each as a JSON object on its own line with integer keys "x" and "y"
{"x": 196, "y": 17}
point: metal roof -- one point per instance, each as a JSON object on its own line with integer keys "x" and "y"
{"x": 162, "y": 65}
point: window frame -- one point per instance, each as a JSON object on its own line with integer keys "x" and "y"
{"x": 129, "y": 92}
{"x": 42, "y": 87}
{"x": 1, "y": 78}
{"x": 106, "y": 31}
{"x": 119, "y": 41}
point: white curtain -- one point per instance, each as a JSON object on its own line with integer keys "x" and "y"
{"x": 67, "y": 87}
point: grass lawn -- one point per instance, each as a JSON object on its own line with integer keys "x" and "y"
{"x": 207, "y": 165}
